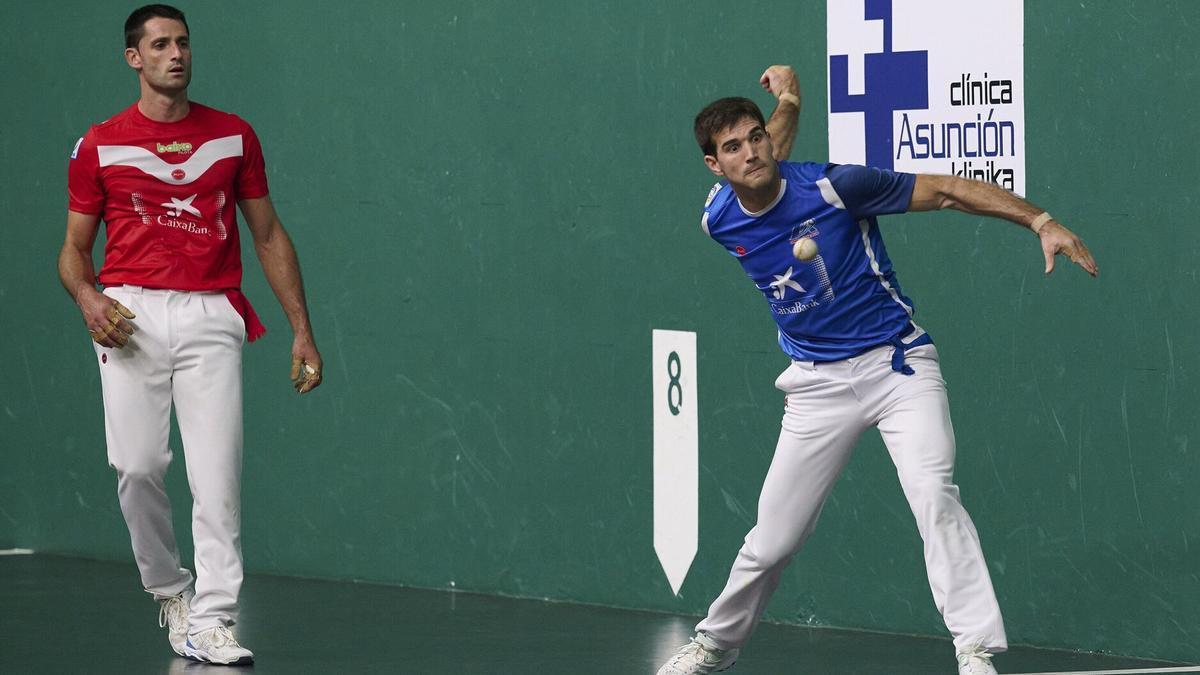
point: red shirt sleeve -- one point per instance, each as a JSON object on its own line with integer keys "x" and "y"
{"x": 252, "y": 175}
{"x": 85, "y": 194}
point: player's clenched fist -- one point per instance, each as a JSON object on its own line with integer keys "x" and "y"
{"x": 107, "y": 321}
{"x": 779, "y": 81}
{"x": 306, "y": 372}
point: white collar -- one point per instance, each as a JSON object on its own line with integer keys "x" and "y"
{"x": 768, "y": 207}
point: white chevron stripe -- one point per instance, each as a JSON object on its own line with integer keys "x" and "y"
{"x": 151, "y": 164}
{"x": 829, "y": 194}
{"x": 865, "y": 227}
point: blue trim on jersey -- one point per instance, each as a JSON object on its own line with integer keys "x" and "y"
{"x": 844, "y": 301}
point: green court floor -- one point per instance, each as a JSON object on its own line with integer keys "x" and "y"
{"x": 66, "y": 615}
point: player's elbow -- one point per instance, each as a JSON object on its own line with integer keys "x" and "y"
{"x": 267, "y": 234}
{"x": 933, "y": 193}
{"x": 71, "y": 251}
{"x": 947, "y": 201}
{"x": 946, "y": 193}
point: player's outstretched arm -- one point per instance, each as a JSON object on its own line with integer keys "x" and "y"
{"x": 932, "y": 192}
{"x": 781, "y": 82}
{"x": 106, "y": 319}
{"x": 282, "y": 269}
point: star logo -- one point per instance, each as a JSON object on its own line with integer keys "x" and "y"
{"x": 783, "y": 282}
{"x": 176, "y": 207}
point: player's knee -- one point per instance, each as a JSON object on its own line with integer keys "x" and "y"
{"x": 138, "y": 469}
{"x": 777, "y": 551}
{"x": 768, "y": 557}
{"x": 934, "y": 502}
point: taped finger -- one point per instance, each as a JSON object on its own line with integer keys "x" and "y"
{"x": 115, "y": 336}
{"x": 125, "y": 311}
{"x": 312, "y": 378}
{"x": 100, "y": 338}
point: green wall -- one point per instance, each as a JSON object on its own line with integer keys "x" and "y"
{"x": 495, "y": 204}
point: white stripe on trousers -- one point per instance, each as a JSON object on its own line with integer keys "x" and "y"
{"x": 187, "y": 350}
{"x": 830, "y": 405}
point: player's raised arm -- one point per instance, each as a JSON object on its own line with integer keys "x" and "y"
{"x": 780, "y": 82}
{"x": 932, "y": 192}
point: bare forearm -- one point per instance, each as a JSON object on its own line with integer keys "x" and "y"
{"x": 782, "y": 127}
{"x": 932, "y": 192}
{"x": 986, "y": 199}
{"x": 75, "y": 272}
{"x": 282, "y": 269}
{"x": 781, "y": 82}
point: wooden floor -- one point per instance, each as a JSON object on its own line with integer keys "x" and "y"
{"x": 66, "y": 615}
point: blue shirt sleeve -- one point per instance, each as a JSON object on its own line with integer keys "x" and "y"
{"x": 870, "y": 191}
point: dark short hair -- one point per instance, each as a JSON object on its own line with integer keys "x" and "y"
{"x": 135, "y": 25}
{"x": 721, "y": 115}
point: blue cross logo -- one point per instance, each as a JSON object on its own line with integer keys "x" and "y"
{"x": 894, "y": 81}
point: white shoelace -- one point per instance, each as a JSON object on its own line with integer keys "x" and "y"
{"x": 691, "y": 649}
{"x": 976, "y": 658}
{"x": 688, "y": 650}
{"x": 173, "y": 612}
{"x": 220, "y": 637}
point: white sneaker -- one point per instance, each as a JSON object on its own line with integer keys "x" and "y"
{"x": 217, "y": 645}
{"x": 697, "y": 657}
{"x": 173, "y": 615}
{"x": 975, "y": 661}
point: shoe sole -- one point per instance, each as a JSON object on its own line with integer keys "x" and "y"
{"x": 199, "y": 658}
{"x": 724, "y": 668}
{"x": 178, "y": 650}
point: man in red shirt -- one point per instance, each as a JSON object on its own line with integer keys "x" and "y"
{"x": 164, "y": 175}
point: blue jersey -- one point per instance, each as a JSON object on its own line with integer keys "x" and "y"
{"x": 844, "y": 301}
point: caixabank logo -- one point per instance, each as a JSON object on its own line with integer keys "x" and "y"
{"x": 929, "y": 86}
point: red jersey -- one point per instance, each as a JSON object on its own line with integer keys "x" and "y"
{"x": 167, "y": 192}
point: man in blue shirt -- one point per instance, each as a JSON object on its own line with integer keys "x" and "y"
{"x": 858, "y": 361}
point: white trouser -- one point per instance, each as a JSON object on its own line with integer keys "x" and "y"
{"x": 187, "y": 349}
{"x": 829, "y": 406}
